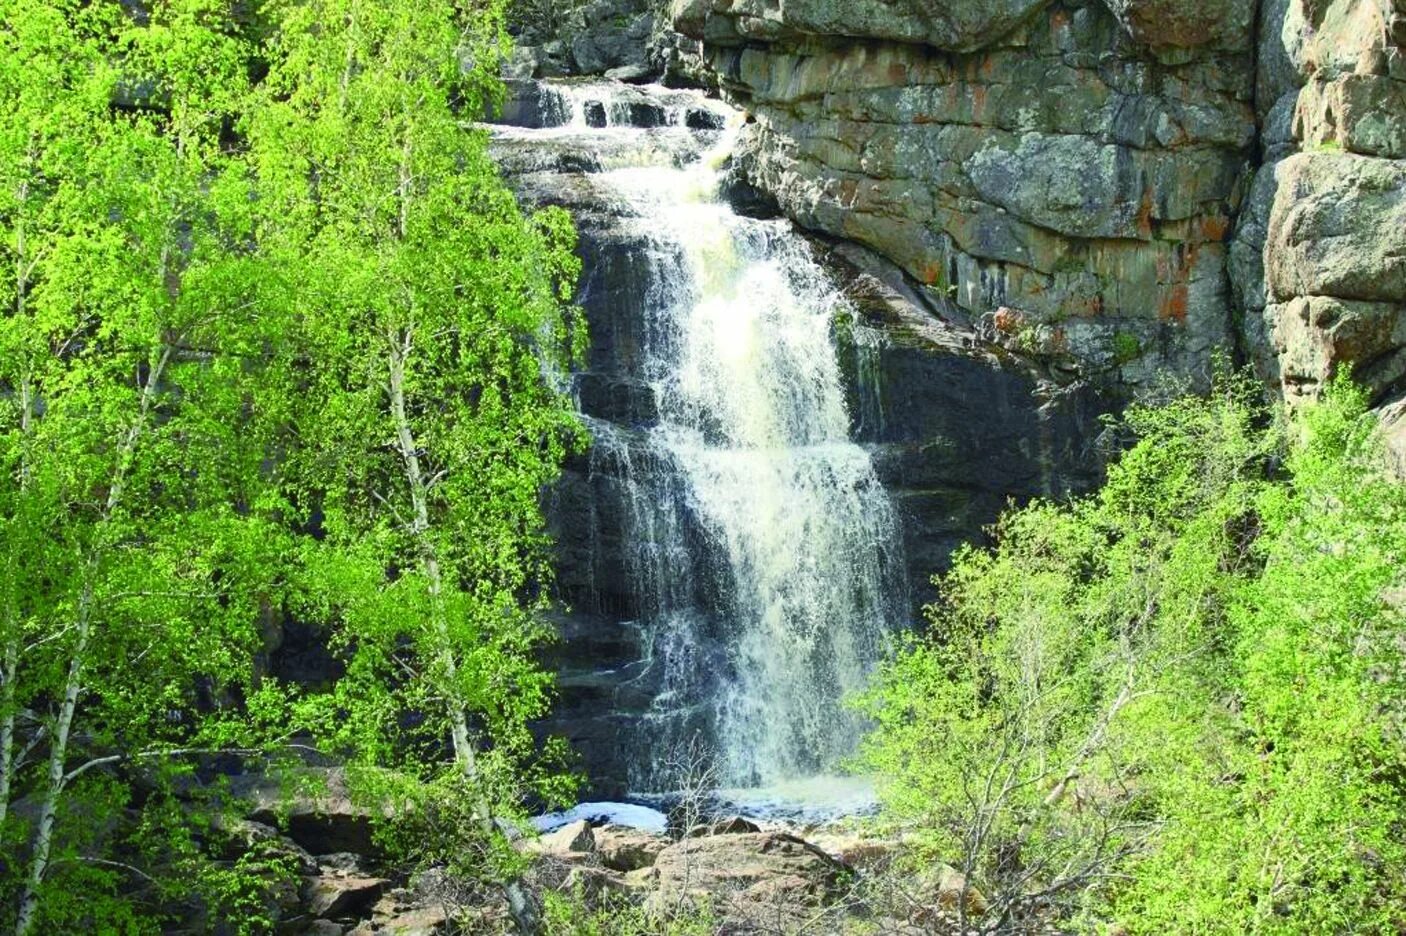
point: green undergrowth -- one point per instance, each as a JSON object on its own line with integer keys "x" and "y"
{"x": 1175, "y": 705}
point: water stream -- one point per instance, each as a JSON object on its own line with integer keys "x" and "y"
{"x": 760, "y": 551}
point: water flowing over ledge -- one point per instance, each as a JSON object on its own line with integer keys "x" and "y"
{"x": 759, "y": 558}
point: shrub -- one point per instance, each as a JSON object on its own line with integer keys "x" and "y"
{"x": 1176, "y": 703}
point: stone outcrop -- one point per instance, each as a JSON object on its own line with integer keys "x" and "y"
{"x": 616, "y": 37}
{"x": 759, "y": 867}
{"x": 1068, "y": 173}
{"x": 959, "y": 417}
{"x": 1327, "y": 214}
{"x": 313, "y": 805}
{"x": 747, "y": 876}
{"x": 1336, "y": 269}
{"x": 623, "y": 849}
{"x": 1129, "y": 186}
{"x": 1039, "y": 209}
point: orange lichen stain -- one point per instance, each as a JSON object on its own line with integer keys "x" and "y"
{"x": 1058, "y": 20}
{"x": 1007, "y": 320}
{"x": 1215, "y": 227}
{"x": 1144, "y": 214}
{"x": 1087, "y": 308}
{"x": 978, "y": 96}
{"x": 1174, "y": 303}
{"x": 930, "y": 273}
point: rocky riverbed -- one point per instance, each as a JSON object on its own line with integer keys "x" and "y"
{"x": 742, "y": 874}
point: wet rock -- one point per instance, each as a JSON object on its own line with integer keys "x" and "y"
{"x": 701, "y": 118}
{"x": 631, "y": 74}
{"x": 527, "y": 103}
{"x": 728, "y": 825}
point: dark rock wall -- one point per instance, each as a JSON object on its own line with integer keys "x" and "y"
{"x": 1042, "y": 209}
{"x": 957, "y": 426}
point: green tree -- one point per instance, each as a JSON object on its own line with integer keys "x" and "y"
{"x": 1176, "y": 703}
{"x": 129, "y": 439}
{"x": 1294, "y": 824}
{"x": 433, "y": 317}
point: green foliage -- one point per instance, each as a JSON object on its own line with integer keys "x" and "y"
{"x": 573, "y": 913}
{"x": 131, "y": 431}
{"x": 275, "y": 337}
{"x": 1177, "y": 703}
{"x": 433, "y": 318}
{"x": 1126, "y": 347}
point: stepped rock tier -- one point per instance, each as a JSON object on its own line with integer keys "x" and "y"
{"x": 1015, "y": 216}
{"x": 774, "y": 456}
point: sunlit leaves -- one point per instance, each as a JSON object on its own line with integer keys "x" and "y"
{"x": 1184, "y": 694}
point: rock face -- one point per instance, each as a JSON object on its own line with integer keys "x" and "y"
{"x": 1039, "y": 210}
{"x": 1075, "y": 165}
{"x": 593, "y": 38}
{"x": 956, "y": 418}
{"x": 1329, "y": 206}
{"x": 1110, "y": 175}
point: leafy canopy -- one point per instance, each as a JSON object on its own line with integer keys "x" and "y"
{"x": 277, "y": 342}
{"x": 1176, "y": 703}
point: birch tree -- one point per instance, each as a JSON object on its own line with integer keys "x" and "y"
{"x": 130, "y": 457}
{"x": 434, "y": 315}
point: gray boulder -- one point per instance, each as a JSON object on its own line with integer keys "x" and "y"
{"x": 1338, "y": 228}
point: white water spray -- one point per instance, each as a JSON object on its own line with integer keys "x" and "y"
{"x": 763, "y": 548}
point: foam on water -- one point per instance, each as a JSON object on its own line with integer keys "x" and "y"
{"x": 762, "y": 549}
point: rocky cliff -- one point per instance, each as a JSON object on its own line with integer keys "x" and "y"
{"x": 1038, "y": 209}
{"x": 1112, "y": 190}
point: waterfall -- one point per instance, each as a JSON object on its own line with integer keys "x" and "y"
{"x": 762, "y": 555}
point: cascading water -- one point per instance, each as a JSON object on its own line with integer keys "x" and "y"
{"x": 760, "y": 551}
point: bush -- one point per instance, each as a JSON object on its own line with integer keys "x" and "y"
{"x": 1176, "y": 703}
